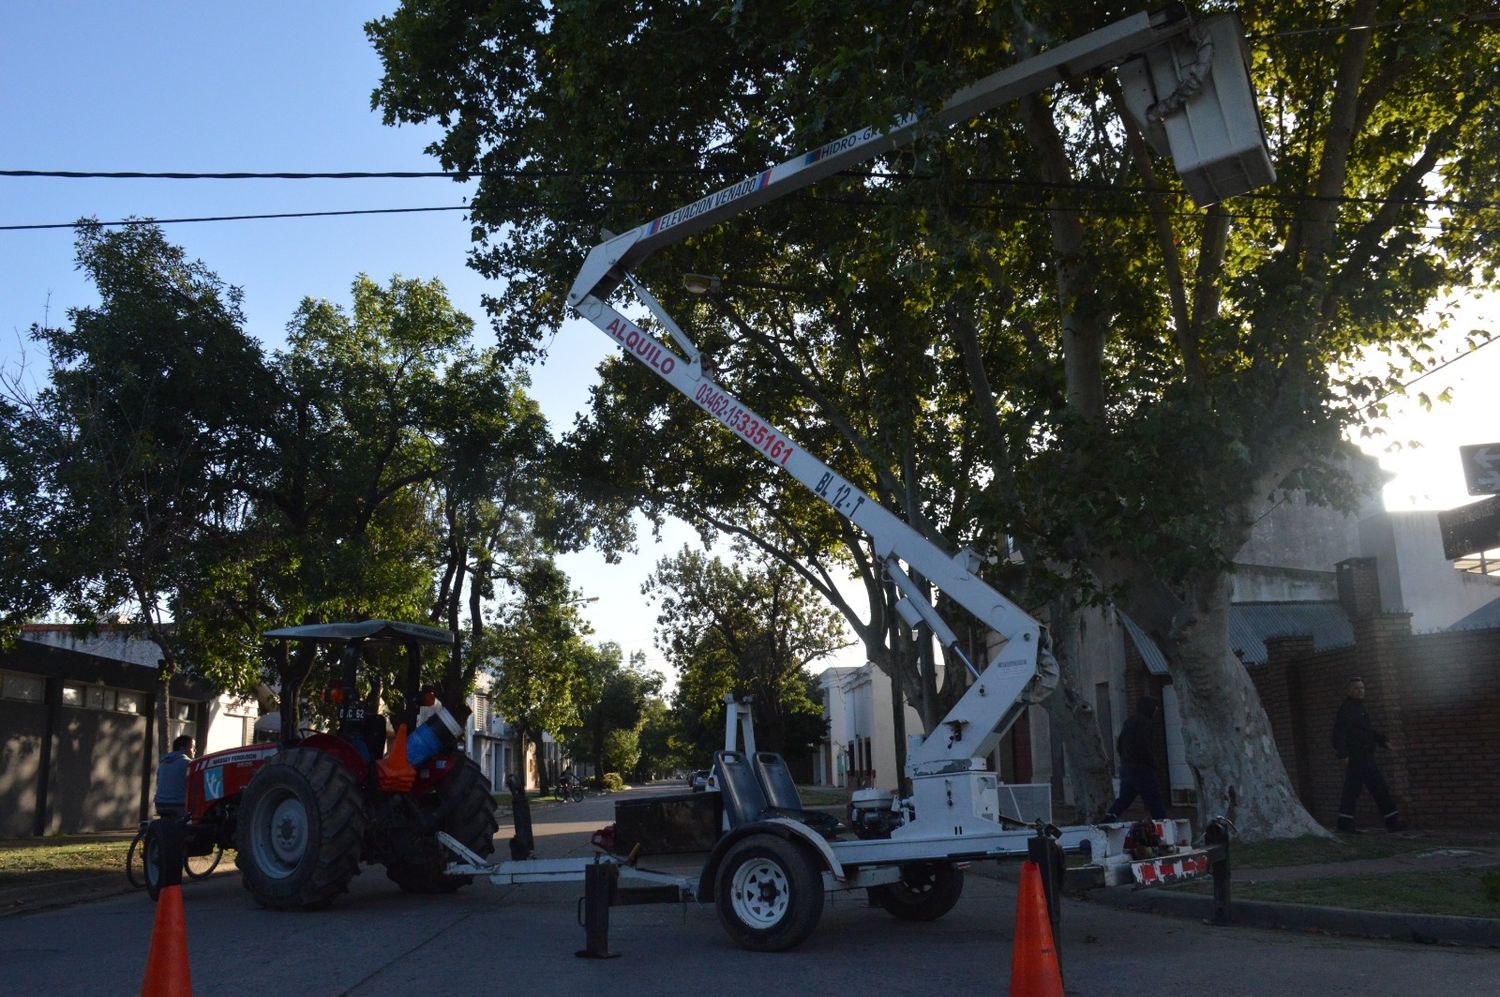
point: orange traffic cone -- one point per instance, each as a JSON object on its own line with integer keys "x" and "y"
{"x": 394, "y": 772}
{"x": 1034, "y": 971}
{"x": 167, "y": 973}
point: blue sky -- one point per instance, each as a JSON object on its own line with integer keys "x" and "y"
{"x": 204, "y": 87}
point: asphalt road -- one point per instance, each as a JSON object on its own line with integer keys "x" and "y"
{"x": 522, "y": 939}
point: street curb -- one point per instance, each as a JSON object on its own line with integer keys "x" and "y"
{"x": 1424, "y": 929}
{"x": 51, "y": 896}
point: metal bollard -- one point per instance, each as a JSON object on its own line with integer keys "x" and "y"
{"x": 1216, "y": 836}
{"x": 600, "y": 881}
{"x": 522, "y": 845}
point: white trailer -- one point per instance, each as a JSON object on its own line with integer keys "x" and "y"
{"x": 1188, "y": 86}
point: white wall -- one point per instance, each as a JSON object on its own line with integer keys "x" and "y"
{"x": 1415, "y": 577}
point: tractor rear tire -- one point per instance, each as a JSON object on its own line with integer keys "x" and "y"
{"x": 300, "y": 830}
{"x": 925, "y": 892}
{"x": 470, "y": 819}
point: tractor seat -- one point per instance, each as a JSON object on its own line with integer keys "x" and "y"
{"x": 747, "y": 798}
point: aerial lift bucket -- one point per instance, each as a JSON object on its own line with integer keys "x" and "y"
{"x": 1192, "y": 99}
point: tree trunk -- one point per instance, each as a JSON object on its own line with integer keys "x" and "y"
{"x": 1074, "y": 720}
{"x": 163, "y": 686}
{"x": 544, "y": 779}
{"x": 519, "y": 739}
{"x": 1225, "y": 730}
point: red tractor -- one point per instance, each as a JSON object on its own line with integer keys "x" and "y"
{"x": 303, "y": 814}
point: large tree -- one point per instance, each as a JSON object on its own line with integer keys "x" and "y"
{"x": 121, "y": 475}
{"x": 611, "y": 696}
{"x": 534, "y": 652}
{"x": 746, "y": 629}
{"x": 1072, "y": 356}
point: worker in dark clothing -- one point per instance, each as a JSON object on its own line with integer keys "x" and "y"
{"x": 171, "y": 778}
{"x": 1137, "y": 766}
{"x": 1355, "y": 738}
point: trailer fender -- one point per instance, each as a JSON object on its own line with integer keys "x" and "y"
{"x": 782, "y": 827}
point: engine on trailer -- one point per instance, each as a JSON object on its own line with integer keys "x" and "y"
{"x": 872, "y": 814}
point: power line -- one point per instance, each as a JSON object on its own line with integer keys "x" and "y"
{"x": 234, "y": 218}
{"x": 1428, "y": 373}
{"x": 1426, "y": 202}
{"x": 1462, "y": 20}
{"x": 843, "y": 201}
{"x": 345, "y": 174}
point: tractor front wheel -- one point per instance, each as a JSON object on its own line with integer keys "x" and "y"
{"x": 300, "y": 829}
{"x": 468, "y": 813}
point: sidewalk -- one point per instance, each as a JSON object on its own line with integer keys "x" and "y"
{"x": 1428, "y": 929}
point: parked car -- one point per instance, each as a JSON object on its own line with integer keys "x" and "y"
{"x": 699, "y": 780}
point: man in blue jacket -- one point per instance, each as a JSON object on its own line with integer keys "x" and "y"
{"x": 171, "y": 778}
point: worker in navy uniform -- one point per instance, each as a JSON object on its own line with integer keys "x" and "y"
{"x": 1355, "y": 738}
{"x": 1137, "y": 766}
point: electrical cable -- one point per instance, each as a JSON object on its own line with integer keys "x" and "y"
{"x": 1426, "y": 202}
{"x": 233, "y": 218}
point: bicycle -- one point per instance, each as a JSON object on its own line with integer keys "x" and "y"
{"x": 570, "y": 792}
{"x": 141, "y": 853}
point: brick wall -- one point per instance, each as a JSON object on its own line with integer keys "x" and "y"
{"x": 1436, "y": 697}
{"x": 1450, "y": 693}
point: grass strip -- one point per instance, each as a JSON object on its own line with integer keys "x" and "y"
{"x": 1458, "y": 892}
{"x": 46, "y": 861}
{"x": 1309, "y": 850}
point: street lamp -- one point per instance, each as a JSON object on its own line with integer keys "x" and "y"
{"x": 701, "y": 284}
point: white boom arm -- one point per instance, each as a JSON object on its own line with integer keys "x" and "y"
{"x": 981, "y": 716}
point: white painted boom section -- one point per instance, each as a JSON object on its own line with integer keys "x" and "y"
{"x": 891, "y": 536}
{"x": 601, "y": 272}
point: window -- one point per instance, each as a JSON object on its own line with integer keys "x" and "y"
{"x": 129, "y": 702}
{"x": 180, "y": 720}
{"x": 73, "y": 695}
{"x": 26, "y": 688}
{"x": 100, "y": 698}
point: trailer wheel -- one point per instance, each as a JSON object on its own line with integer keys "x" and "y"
{"x": 769, "y": 893}
{"x": 925, "y": 892}
{"x": 301, "y": 826}
{"x": 469, "y": 817}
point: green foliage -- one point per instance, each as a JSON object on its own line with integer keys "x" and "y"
{"x": 742, "y": 629}
{"x": 611, "y": 697}
{"x": 659, "y": 741}
{"x": 121, "y": 477}
{"x": 1021, "y": 331}
{"x": 378, "y": 467}
{"x": 613, "y": 783}
{"x": 533, "y": 653}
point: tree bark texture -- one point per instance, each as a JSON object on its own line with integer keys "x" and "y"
{"x": 1225, "y": 730}
{"x": 1073, "y": 719}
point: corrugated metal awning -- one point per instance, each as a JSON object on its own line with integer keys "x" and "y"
{"x": 1251, "y": 624}
{"x": 1156, "y": 662}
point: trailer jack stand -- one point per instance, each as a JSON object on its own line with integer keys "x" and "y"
{"x": 1044, "y": 850}
{"x": 600, "y": 883}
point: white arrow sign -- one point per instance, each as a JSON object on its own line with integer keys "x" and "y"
{"x": 1482, "y": 468}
